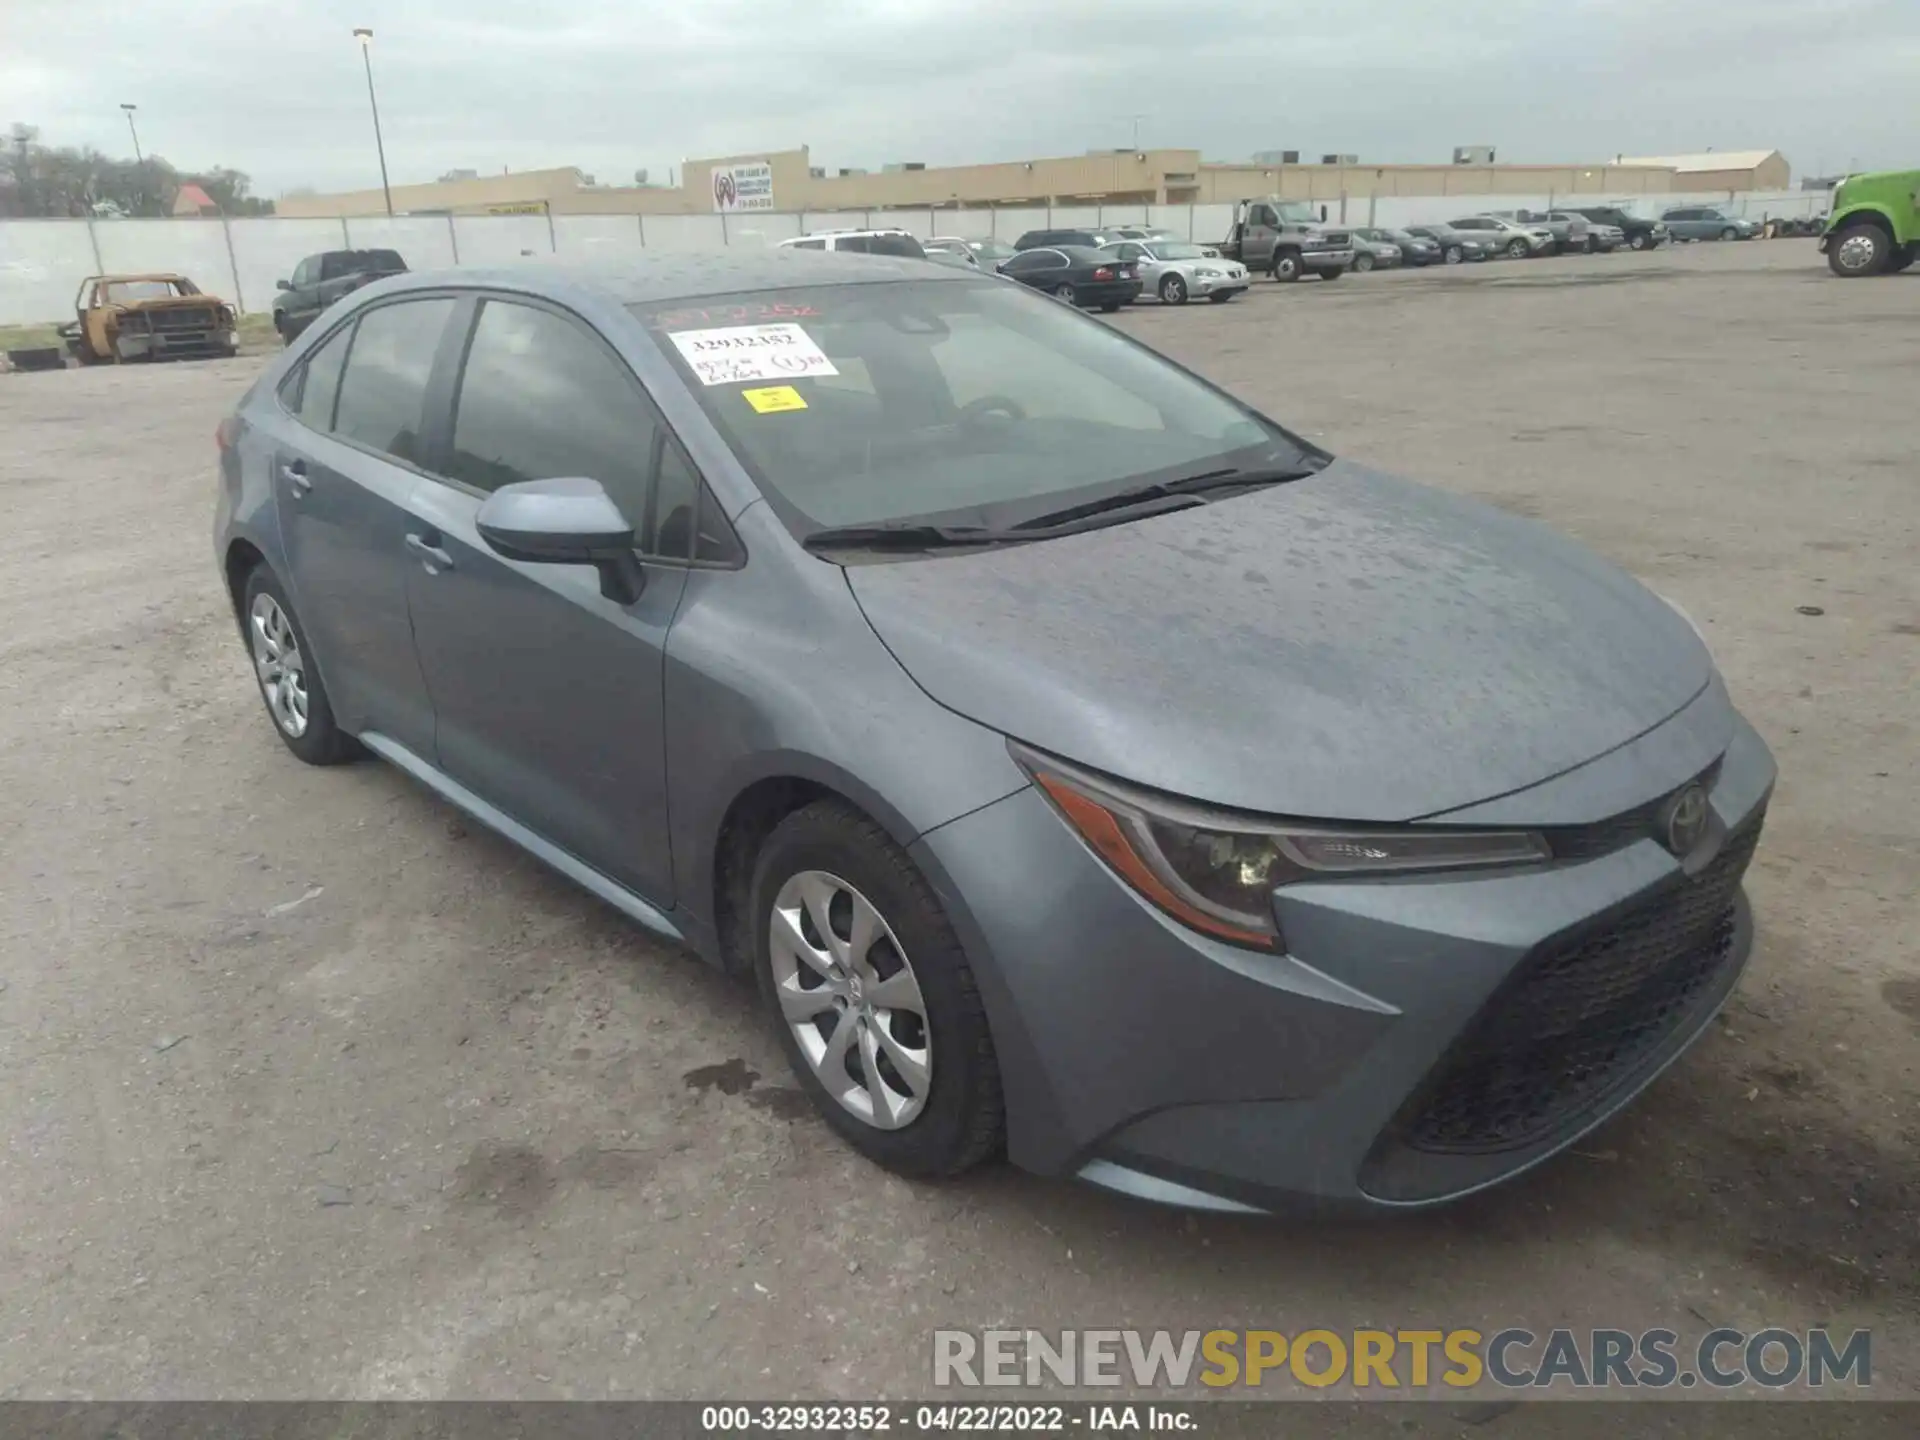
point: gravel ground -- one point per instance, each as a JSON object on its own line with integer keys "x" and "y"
{"x": 309, "y": 1088}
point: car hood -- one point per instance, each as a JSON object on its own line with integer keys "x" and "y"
{"x": 1350, "y": 646}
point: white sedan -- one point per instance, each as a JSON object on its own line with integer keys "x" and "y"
{"x": 1178, "y": 270}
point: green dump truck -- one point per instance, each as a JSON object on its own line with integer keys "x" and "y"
{"x": 1875, "y": 229}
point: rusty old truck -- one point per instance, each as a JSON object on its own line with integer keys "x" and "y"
{"x": 147, "y": 317}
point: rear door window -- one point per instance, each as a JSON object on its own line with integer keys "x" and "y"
{"x": 383, "y": 394}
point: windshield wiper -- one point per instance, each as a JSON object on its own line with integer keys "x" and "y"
{"x": 908, "y": 537}
{"x": 1206, "y": 483}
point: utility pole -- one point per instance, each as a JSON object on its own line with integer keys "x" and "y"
{"x": 139, "y": 161}
{"x": 365, "y": 37}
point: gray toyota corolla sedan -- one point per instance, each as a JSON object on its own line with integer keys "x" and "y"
{"x": 1084, "y": 765}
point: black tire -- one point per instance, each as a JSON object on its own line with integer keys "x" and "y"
{"x": 1729, "y": 233}
{"x": 284, "y": 327}
{"x": 1363, "y": 262}
{"x": 963, "y": 1121}
{"x": 1593, "y": 245}
{"x": 323, "y": 742}
{"x": 1878, "y": 258}
{"x": 1639, "y": 240}
{"x": 1173, "y": 290}
{"x": 1519, "y": 249}
{"x": 1066, "y": 293}
{"x": 1333, "y": 274}
{"x": 1285, "y": 266}
{"x": 1110, "y": 307}
{"x": 1453, "y": 255}
{"x": 1902, "y": 259}
{"x": 1221, "y": 297}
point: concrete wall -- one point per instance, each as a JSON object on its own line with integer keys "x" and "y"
{"x": 42, "y": 262}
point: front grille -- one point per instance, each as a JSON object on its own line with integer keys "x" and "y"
{"x": 1579, "y": 1016}
{"x": 1337, "y": 239}
{"x": 186, "y": 319}
{"x": 1603, "y": 837}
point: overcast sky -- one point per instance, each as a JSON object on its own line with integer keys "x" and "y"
{"x": 275, "y": 87}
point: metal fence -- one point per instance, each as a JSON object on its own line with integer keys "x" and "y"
{"x": 42, "y": 262}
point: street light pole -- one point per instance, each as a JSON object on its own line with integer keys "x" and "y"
{"x": 365, "y": 37}
{"x": 137, "y": 158}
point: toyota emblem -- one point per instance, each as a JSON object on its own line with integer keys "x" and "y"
{"x": 1686, "y": 820}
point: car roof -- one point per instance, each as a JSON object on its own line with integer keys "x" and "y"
{"x": 144, "y": 275}
{"x": 645, "y": 280}
{"x": 1077, "y": 252}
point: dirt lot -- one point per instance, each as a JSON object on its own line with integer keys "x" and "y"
{"x": 309, "y": 1088}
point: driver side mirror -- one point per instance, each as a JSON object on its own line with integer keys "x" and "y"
{"x": 571, "y": 521}
{"x": 282, "y": 285}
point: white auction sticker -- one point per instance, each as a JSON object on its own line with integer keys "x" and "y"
{"x": 751, "y": 352}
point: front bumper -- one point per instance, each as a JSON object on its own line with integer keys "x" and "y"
{"x": 1317, "y": 261}
{"x": 1424, "y": 1038}
{"x": 1217, "y": 284}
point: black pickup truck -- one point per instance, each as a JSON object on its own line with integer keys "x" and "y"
{"x": 321, "y": 279}
{"x": 1641, "y": 233}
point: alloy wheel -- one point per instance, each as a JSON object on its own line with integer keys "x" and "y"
{"x": 849, "y": 995}
{"x": 279, "y": 664}
{"x": 1173, "y": 290}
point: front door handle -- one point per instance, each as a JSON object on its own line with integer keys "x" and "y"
{"x": 432, "y": 556}
{"x": 294, "y": 472}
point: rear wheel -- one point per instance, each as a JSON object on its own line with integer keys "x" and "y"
{"x": 290, "y": 686}
{"x": 1066, "y": 293}
{"x": 1173, "y": 290}
{"x": 1859, "y": 250}
{"x": 1110, "y": 307}
{"x": 1333, "y": 274}
{"x": 871, "y": 994}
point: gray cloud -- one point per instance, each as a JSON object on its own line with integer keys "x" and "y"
{"x": 275, "y": 87}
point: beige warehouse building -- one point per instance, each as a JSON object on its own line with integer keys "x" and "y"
{"x": 791, "y": 182}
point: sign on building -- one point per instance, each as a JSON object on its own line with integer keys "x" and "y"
{"x": 747, "y": 186}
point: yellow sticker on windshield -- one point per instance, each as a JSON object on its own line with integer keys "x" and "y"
{"x": 771, "y": 398}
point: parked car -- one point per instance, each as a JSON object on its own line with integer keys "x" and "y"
{"x": 1077, "y": 274}
{"x": 1567, "y": 227}
{"x": 1455, "y": 246}
{"x": 1372, "y": 250}
{"x": 147, "y": 317}
{"x": 1415, "y": 250}
{"x": 1176, "y": 270}
{"x": 1287, "y": 239}
{"x": 1875, "y": 229}
{"x": 1641, "y": 233}
{"x": 1086, "y": 239}
{"x": 946, "y": 708}
{"x": 860, "y": 242}
{"x": 1600, "y": 238}
{"x": 1708, "y": 222}
{"x": 1508, "y": 237}
{"x": 321, "y": 279}
{"x": 984, "y": 255}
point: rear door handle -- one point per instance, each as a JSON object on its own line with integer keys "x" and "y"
{"x": 294, "y": 472}
{"x": 432, "y": 556}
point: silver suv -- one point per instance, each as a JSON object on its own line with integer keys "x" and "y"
{"x": 860, "y": 242}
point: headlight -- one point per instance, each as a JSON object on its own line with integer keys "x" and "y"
{"x": 1205, "y": 273}
{"x": 1216, "y": 871}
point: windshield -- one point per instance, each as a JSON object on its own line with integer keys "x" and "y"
{"x": 966, "y": 403}
{"x": 1298, "y": 212}
{"x": 128, "y": 292}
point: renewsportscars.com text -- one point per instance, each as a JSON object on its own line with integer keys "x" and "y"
{"x": 1511, "y": 1358}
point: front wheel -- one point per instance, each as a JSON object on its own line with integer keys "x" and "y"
{"x": 874, "y": 1002}
{"x": 1904, "y": 257}
{"x": 1729, "y": 233}
{"x": 1363, "y": 263}
{"x": 1173, "y": 290}
{"x": 1859, "y": 250}
{"x": 1066, "y": 293}
{"x": 1639, "y": 242}
{"x": 1453, "y": 255}
{"x": 1518, "y": 249}
{"x": 1286, "y": 265}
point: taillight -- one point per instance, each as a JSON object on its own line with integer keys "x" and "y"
{"x": 1103, "y": 273}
